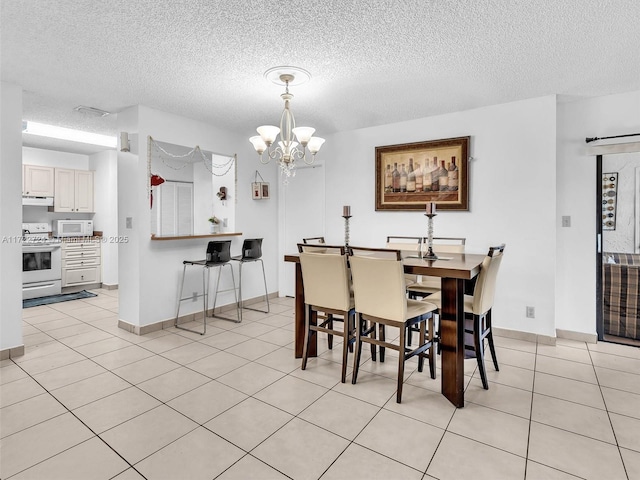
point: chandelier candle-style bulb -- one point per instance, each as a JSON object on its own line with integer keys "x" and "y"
{"x": 287, "y": 149}
{"x": 303, "y": 134}
{"x": 258, "y": 144}
{"x": 268, "y": 133}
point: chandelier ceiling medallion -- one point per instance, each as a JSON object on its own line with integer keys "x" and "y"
{"x": 288, "y": 150}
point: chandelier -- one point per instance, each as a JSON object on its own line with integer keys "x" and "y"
{"x": 288, "y": 150}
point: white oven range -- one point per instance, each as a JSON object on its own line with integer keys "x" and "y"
{"x": 41, "y": 261}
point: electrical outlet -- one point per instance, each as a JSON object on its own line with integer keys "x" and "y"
{"x": 224, "y": 222}
{"x": 194, "y": 297}
{"x": 566, "y": 221}
{"x": 129, "y": 222}
{"x": 531, "y": 312}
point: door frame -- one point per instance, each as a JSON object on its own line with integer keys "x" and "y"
{"x": 599, "y": 240}
{"x": 599, "y": 151}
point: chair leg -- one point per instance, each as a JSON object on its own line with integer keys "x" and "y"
{"x": 352, "y": 330}
{"x": 345, "y": 345}
{"x": 215, "y": 295}
{"x": 356, "y": 357}
{"x": 264, "y": 278}
{"x": 233, "y": 282}
{"x": 492, "y": 347}
{"x": 184, "y": 271}
{"x": 400, "y": 365}
{"x": 239, "y": 301}
{"x": 266, "y": 293}
{"x": 479, "y": 348}
{"x": 205, "y": 293}
{"x": 432, "y": 349}
{"x": 374, "y": 349}
{"x": 330, "y": 336}
{"x": 382, "y": 336}
{"x": 307, "y": 336}
{"x": 421, "y": 342}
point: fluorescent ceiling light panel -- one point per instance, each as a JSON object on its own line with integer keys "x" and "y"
{"x": 61, "y": 133}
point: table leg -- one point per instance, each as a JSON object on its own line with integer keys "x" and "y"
{"x": 299, "y": 319}
{"x": 452, "y": 340}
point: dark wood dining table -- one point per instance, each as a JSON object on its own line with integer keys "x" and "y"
{"x": 454, "y": 269}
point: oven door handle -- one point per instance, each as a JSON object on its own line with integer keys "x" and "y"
{"x": 39, "y": 286}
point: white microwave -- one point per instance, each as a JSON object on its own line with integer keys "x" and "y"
{"x": 72, "y": 228}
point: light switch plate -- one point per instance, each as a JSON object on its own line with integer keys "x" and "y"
{"x": 566, "y": 221}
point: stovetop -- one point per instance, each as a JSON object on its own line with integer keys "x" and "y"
{"x": 38, "y": 234}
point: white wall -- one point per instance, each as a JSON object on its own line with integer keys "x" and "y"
{"x": 576, "y": 246}
{"x": 150, "y": 271}
{"x": 10, "y": 216}
{"x": 512, "y": 197}
{"x": 53, "y": 158}
{"x": 105, "y": 195}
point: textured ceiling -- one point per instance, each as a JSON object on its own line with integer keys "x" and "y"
{"x": 372, "y": 61}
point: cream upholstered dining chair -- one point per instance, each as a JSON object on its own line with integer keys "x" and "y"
{"x": 425, "y": 285}
{"x": 313, "y": 240}
{"x": 477, "y": 309}
{"x": 413, "y": 244}
{"x": 381, "y": 301}
{"x": 327, "y": 297}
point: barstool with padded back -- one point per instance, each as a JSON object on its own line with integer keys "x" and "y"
{"x": 327, "y": 297}
{"x": 381, "y": 301}
{"x": 251, "y": 252}
{"x": 313, "y": 240}
{"x": 477, "y": 310}
{"x": 217, "y": 256}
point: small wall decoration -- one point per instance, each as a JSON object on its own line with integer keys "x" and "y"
{"x": 256, "y": 191}
{"x": 609, "y": 200}
{"x": 411, "y": 175}
{"x": 259, "y": 189}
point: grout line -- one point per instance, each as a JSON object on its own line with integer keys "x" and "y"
{"x": 608, "y": 415}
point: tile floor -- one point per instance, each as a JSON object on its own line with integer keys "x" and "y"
{"x": 91, "y": 401}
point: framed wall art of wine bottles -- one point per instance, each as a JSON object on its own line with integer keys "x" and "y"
{"x": 609, "y": 200}
{"x": 411, "y": 175}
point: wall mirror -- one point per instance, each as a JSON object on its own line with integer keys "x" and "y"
{"x": 189, "y": 186}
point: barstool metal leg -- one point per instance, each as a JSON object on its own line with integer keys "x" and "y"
{"x": 266, "y": 294}
{"x": 215, "y": 298}
{"x": 205, "y": 291}
{"x": 264, "y": 277}
{"x": 184, "y": 271}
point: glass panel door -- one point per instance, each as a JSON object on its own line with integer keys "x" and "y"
{"x": 619, "y": 268}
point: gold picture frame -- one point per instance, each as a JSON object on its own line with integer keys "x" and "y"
{"x": 403, "y": 171}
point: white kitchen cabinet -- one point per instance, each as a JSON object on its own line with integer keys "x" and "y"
{"x": 81, "y": 263}
{"x": 37, "y": 181}
{"x": 73, "y": 191}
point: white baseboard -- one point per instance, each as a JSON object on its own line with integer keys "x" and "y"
{"x": 12, "y": 352}
{"x": 577, "y": 336}
{"x": 169, "y": 323}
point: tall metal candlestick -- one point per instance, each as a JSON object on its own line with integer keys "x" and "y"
{"x": 346, "y": 230}
{"x": 430, "y": 255}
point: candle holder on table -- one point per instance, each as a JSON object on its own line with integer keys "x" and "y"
{"x": 430, "y": 255}
{"x": 346, "y": 214}
{"x": 346, "y": 230}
